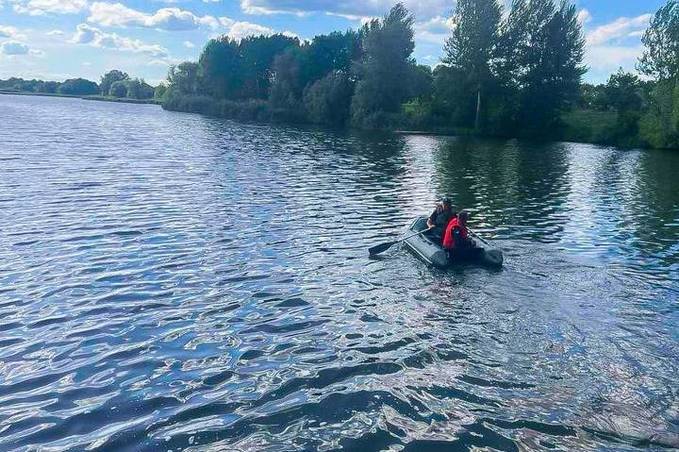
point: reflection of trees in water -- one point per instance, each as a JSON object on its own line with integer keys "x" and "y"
{"x": 623, "y": 204}
{"x": 656, "y": 219}
{"x": 508, "y": 183}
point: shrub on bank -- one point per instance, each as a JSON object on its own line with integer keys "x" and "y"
{"x": 246, "y": 110}
{"x": 589, "y": 126}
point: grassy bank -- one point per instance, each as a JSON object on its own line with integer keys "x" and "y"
{"x": 247, "y": 110}
{"x": 590, "y": 126}
{"x": 92, "y": 97}
{"x": 126, "y": 100}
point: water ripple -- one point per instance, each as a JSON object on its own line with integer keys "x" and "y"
{"x": 175, "y": 282}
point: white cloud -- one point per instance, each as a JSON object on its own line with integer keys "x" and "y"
{"x": 41, "y": 7}
{"x": 164, "y": 62}
{"x": 86, "y": 34}
{"x": 436, "y": 30}
{"x": 7, "y": 32}
{"x": 423, "y": 9}
{"x": 189, "y": 45}
{"x": 55, "y": 33}
{"x": 584, "y": 16}
{"x": 241, "y": 29}
{"x": 613, "y": 45}
{"x": 171, "y": 19}
{"x": 14, "y": 48}
{"x": 610, "y": 58}
{"x": 622, "y": 27}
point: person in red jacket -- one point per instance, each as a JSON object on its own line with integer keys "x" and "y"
{"x": 457, "y": 235}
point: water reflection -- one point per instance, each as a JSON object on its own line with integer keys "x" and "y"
{"x": 515, "y": 189}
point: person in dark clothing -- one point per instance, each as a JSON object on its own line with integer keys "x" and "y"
{"x": 439, "y": 219}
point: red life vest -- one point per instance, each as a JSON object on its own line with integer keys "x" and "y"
{"x": 449, "y": 237}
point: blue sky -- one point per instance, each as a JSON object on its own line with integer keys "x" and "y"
{"x": 58, "y": 39}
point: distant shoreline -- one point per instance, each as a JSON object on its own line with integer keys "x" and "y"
{"x": 91, "y": 97}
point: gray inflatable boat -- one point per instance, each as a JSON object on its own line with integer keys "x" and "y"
{"x": 433, "y": 253}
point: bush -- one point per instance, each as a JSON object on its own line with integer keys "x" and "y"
{"x": 659, "y": 127}
{"x": 118, "y": 89}
{"x": 590, "y": 126}
{"x": 328, "y": 100}
{"x": 417, "y": 114}
{"x": 248, "y": 110}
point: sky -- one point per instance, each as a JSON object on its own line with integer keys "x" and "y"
{"x": 59, "y": 39}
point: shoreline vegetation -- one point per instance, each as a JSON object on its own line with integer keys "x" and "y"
{"x": 92, "y": 97}
{"x": 114, "y": 86}
{"x": 513, "y": 73}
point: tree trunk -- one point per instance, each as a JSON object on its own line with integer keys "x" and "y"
{"x": 477, "y": 120}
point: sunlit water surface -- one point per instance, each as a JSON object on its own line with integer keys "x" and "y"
{"x": 170, "y": 281}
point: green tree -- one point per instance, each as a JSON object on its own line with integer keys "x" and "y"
{"x": 660, "y": 124}
{"x": 385, "y": 68}
{"x": 160, "y": 90}
{"x": 421, "y": 82}
{"x": 550, "y": 56}
{"x": 258, "y": 53}
{"x": 286, "y": 84}
{"x": 78, "y": 86}
{"x": 109, "y": 79}
{"x": 623, "y": 91}
{"x": 452, "y": 102}
{"x": 47, "y": 87}
{"x": 624, "y": 94}
{"x": 328, "y": 53}
{"x": 118, "y": 89}
{"x": 472, "y": 45}
{"x": 328, "y": 100}
{"x": 659, "y": 127}
{"x": 593, "y": 97}
{"x": 183, "y": 78}
{"x": 661, "y": 57}
{"x": 221, "y": 68}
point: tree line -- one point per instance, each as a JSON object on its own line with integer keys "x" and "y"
{"x": 504, "y": 73}
{"x": 114, "y": 83}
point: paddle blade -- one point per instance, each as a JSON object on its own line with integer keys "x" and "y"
{"x": 494, "y": 257}
{"x": 382, "y": 247}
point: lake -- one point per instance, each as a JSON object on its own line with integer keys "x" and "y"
{"x": 170, "y": 281}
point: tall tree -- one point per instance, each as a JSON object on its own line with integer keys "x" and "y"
{"x": 550, "y": 57}
{"x": 183, "y": 78}
{"x": 286, "y": 83}
{"x": 327, "y": 53}
{"x": 473, "y": 43}
{"x": 109, "y": 79}
{"x": 660, "y": 125}
{"x": 385, "y": 67}
{"x": 661, "y": 57}
{"x": 328, "y": 100}
{"x": 221, "y": 67}
{"x": 258, "y": 53}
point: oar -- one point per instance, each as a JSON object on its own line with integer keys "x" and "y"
{"x": 382, "y": 247}
{"x": 478, "y": 237}
{"x": 492, "y": 256}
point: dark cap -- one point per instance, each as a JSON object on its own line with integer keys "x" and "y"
{"x": 445, "y": 201}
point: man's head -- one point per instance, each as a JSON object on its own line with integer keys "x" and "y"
{"x": 445, "y": 202}
{"x": 462, "y": 217}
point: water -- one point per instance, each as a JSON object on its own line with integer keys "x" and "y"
{"x": 170, "y": 281}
